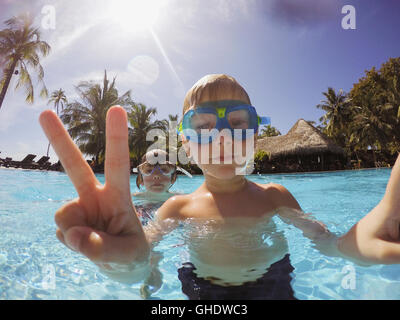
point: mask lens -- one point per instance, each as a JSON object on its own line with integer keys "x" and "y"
{"x": 200, "y": 121}
{"x": 146, "y": 168}
{"x": 167, "y": 168}
{"x": 239, "y": 119}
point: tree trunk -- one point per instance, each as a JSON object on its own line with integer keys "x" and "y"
{"x": 7, "y": 82}
{"x": 374, "y": 156}
{"x": 356, "y": 155}
{"x": 322, "y": 162}
{"x": 48, "y": 148}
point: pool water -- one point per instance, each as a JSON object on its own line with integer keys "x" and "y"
{"x": 35, "y": 265}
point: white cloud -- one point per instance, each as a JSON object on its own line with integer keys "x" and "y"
{"x": 142, "y": 69}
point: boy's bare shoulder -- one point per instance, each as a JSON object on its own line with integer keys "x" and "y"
{"x": 172, "y": 208}
{"x": 282, "y": 197}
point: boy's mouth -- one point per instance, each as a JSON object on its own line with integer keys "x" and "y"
{"x": 157, "y": 185}
{"x": 222, "y": 158}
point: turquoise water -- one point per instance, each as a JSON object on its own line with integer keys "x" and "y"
{"x": 35, "y": 265}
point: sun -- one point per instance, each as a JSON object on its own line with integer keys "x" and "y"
{"x": 134, "y": 15}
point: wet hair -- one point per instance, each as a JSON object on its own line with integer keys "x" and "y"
{"x": 155, "y": 152}
{"x": 214, "y": 87}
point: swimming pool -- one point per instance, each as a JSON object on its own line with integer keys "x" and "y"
{"x": 35, "y": 265}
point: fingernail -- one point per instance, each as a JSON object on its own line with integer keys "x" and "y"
{"x": 74, "y": 240}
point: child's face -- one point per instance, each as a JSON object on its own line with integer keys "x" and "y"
{"x": 157, "y": 182}
{"x": 226, "y": 156}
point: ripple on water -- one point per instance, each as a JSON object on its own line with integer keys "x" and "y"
{"x": 29, "y": 247}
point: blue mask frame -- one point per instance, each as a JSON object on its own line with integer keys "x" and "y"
{"x": 221, "y": 113}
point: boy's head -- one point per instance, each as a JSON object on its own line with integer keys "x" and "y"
{"x": 221, "y": 93}
{"x": 155, "y": 172}
{"x": 214, "y": 87}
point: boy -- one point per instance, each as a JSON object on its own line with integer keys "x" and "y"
{"x": 102, "y": 223}
{"x": 156, "y": 176}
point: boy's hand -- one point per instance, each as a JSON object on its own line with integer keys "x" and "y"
{"x": 102, "y": 223}
{"x": 376, "y": 237}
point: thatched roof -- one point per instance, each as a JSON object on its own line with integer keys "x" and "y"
{"x": 302, "y": 139}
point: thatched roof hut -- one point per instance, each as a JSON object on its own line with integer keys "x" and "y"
{"x": 302, "y": 139}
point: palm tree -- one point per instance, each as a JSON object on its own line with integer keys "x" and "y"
{"x": 337, "y": 114}
{"x": 315, "y": 125}
{"x": 139, "y": 117}
{"x": 20, "y": 46}
{"x": 60, "y": 100}
{"x": 86, "y": 119}
{"x": 269, "y": 131}
{"x": 166, "y": 122}
{"x": 170, "y": 130}
{"x": 370, "y": 129}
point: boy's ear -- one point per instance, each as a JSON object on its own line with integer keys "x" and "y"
{"x": 173, "y": 178}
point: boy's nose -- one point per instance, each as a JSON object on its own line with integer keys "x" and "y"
{"x": 222, "y": 139}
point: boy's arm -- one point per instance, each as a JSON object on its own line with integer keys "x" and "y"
{"x": 290, "y": 212}
{"x": 376, "y": 237}
{"x": 326, "y": 242}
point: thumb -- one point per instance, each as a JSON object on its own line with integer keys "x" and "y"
{"x": 99, "y": 246}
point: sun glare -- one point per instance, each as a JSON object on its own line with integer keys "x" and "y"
{"x": 135, "y": 15}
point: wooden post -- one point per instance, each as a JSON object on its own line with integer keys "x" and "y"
{"x": 322, "y": 162}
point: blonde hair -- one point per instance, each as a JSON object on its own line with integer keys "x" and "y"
{"x": 214, "y": 87}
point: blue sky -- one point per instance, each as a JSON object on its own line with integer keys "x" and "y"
{"x": 284, "y": 52}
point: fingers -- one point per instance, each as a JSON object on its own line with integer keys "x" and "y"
{"x": 60, "y": 236}
{"x": 69, "y": 154}
{"x": 70, "y": 215}
{"x": 104, "y": 248}
{"x": 117, "y": 166}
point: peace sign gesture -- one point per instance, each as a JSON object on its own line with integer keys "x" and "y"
{"x": 102, "y": 223}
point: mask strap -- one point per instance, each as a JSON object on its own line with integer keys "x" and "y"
{"x": 184, "y": 171}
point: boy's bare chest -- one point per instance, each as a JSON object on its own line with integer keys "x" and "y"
{"x": 225, "y": 206}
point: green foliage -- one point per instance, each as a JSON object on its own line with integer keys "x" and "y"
{"x": 86, "y": 117}
{"x": 269, "y": 131}
{"x": 140, "y": 119}
{"x": 261, "y": 158}
{"x": 20, "y": 48}
{"x": 58, "y": 99}
{"x": 368, "y": 116}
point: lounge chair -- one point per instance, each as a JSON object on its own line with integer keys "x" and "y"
{"x": 56, "y": 166}
{"x": 43, "y": 163}
{"x": 26, "y": 163}
{"x": 45, "y": 166}
{"x": 42, "y": 160}
{"x": 7, "y": 162}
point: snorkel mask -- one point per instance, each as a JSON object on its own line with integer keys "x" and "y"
{"x": 203, "y": 123}
{"x": 167, "y": 169}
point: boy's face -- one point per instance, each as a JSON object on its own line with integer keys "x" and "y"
{"x": 226, "y": 156}
{"x": 157, "y": 182}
